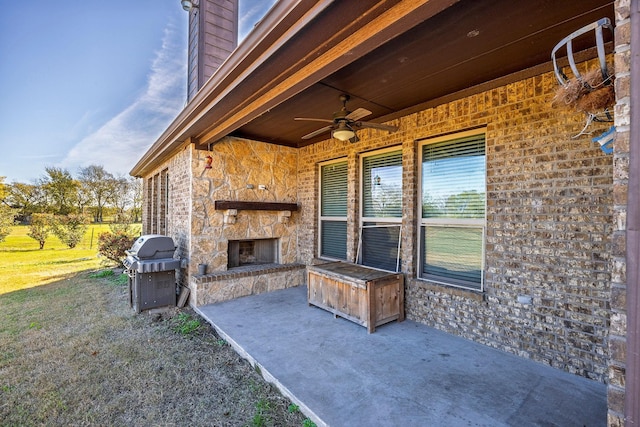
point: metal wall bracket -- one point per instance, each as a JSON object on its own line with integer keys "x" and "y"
{"x": 568, "y": 42}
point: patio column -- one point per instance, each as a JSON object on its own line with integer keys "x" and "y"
{"x": 632, "y": 387}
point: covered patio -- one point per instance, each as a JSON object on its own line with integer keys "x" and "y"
{"x": 553, "y": 280}
{"x": 404, "y": 374}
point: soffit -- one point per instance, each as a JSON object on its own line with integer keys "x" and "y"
{"x": 393, "y": 57}
{"x": 469, "y": 44}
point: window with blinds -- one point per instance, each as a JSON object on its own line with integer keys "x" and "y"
{"x": 380, "y": 245}
{"x": 380, "y": 231}
{"x": 453, "y": 210}
{"x": 382, "y": 185}
{"x": 333, "y": 210}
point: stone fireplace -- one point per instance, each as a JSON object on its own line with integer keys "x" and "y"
{"x": 244, "y": 220}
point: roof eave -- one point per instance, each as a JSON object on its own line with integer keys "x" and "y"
{"x": 235, "y": 95}
{"x": 273, "y": 30}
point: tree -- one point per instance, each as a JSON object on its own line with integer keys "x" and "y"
{"x": 27, "y": 199}
{"x": 40, "y": 227}
{"x": 61, "y": 190}
{"x": 101, "y": 185}
{"x": 137, "y": 199}
{"x": 122, "y": 198}
{"x": 4, "y": 189}
{"x": 7, "y": 215}
{"x": 70, "y": 228}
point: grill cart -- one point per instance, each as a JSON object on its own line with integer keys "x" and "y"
{"x": 151, "y": 269}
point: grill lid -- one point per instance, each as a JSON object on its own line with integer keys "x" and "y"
{"x": 150, "y": 246}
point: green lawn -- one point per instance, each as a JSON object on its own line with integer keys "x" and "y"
{"x": 23, "y": 265}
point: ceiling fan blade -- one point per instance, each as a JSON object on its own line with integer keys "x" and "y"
{"x": 358, "y": 114}
{"x": 313, "y": 120}
{"x": 380, "y": 126}
{"x": 317, "y": 132}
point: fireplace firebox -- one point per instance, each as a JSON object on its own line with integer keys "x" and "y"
{"x": 252, "y": 252}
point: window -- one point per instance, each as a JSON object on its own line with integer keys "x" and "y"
{"x": 158, "y": 203}
{"x": 149, "y": 219}
{"x": 155, "y": 204}
{"x": 453, "y": 210}
{"x": 380, "y": 231}
{"x": 333, "y": 210}
{"x": 164, "y": 201}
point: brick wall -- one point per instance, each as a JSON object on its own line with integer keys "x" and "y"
{"x": 549, "y": 225}
{"x": 176, "y": 215}
{"x": 179, "y": 220}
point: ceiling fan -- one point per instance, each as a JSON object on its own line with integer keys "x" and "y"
{"x": 345, "y": 123}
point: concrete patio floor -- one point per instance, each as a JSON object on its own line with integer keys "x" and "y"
{"x": 404, "y": 374}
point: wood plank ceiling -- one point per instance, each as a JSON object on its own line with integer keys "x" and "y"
{"x": 472, "y": 44}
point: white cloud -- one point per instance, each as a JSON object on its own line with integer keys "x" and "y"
{"x": 120, "y": 142}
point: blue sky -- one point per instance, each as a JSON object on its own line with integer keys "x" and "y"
{"x": 92, "y": 82}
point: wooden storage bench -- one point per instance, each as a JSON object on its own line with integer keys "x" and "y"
{"x": 364, "y": 295}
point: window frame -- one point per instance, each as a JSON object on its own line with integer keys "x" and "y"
{"x": 475, "y": 223}
{"x": 322, "y": 218}
{"x": 391, "y": 221}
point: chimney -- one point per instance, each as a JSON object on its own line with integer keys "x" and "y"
{"x": 213, "y": 35}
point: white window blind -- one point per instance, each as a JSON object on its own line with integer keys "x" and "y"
{"x": 380, "y": 231}
{"x": 382, "y": 185}
{"x": 453, "y": 179}
{"x": 453, "y": 211}
{"x": 380, "y": 245}
{"x": 334, "y": 189}
{"x": 333, "y": 210}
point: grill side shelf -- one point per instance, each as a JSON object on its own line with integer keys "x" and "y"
{"x": 156, "y": 265}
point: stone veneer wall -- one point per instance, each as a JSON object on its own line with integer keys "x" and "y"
{"x": 223, "y": 286}
{"x": 549, "y": 225}
{"x": 239, "y": 167}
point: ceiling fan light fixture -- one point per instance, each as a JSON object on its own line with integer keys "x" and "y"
{"x": 343, "y": 132}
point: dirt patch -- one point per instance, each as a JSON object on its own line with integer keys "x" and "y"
{"x": 74, "y": 353}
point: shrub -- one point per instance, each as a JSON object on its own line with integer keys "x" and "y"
{"x": 112, "y": 246}
{"x": 70, "y": 228}
{"x": 122, "y": 224}
{"x": 40, "y": 227}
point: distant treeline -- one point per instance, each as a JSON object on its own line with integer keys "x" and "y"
{"x": 93, "y": 192}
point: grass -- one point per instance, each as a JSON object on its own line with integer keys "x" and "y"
{"x": 72, "y": 351}
{"x": 186, "y": 324}
{"x": 23, "y": 265}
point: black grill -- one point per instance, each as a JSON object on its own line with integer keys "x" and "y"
{"x": 151, "y": 269}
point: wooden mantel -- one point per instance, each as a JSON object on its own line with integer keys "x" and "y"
{"x": 255, "y": 206}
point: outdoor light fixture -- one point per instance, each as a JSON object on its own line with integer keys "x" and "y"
{"x": 188, "y": 5}
{"x": 343, "y": 132}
